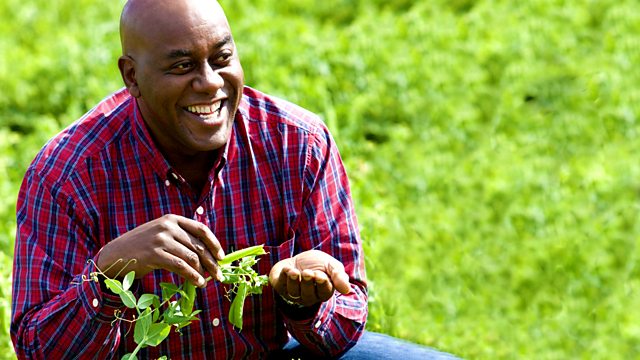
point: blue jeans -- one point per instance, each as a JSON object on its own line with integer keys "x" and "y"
{"x": 371, "y": 346}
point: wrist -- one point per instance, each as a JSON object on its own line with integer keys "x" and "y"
{"x": 296, "y": 311}
{"x": 291, "y": 303}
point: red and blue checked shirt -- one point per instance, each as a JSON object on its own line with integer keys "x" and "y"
{"x": 279, "y": 182}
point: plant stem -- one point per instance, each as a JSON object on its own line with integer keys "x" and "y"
{"x": 239, "y": 254}
{"x": 136, "y": 350}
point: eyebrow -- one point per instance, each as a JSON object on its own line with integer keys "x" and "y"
{"x": 179, "y": 53}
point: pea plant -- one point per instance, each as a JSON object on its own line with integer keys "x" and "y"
{"x": 155, "y": 316}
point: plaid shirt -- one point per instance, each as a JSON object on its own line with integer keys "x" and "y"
{"x": 279, "y": 182}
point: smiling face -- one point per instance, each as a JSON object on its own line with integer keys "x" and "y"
{"x": 181, "y": 64}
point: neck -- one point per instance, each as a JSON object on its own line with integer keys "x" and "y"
{"x": 194, "y": 169}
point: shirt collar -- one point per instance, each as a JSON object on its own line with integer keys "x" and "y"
{"x": 149, "y": 153}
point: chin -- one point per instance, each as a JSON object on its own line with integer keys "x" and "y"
{"x": 213, "y": 144}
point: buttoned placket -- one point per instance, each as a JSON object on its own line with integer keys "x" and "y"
{"x": 171, "y": 180}
{"x": 201, "y": 214}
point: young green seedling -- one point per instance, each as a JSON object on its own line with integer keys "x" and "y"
{"x": 154, "y": 319}
{"x": 243, "y": 279}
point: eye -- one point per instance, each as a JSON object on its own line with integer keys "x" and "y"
{"x": 182, "y": 67}
{"x": 223, "y": 59}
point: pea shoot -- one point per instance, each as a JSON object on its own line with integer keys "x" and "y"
{"x": 155, "y": 317}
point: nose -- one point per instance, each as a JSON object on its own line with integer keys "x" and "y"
{"x": 209, "y": 80}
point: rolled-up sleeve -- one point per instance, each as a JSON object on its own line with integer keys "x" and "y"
{"x": 328, "y": 223}
{"x": 57, "y": 312}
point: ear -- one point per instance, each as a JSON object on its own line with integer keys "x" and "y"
{"x": 127, "y": 67}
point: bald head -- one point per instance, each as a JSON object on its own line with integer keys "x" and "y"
{"x": 145, "y": 22}
{"x": 179, "y": 59}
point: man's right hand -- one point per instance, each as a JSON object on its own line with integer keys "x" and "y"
{"x": 171, "y": 242}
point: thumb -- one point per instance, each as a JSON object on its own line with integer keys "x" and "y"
{"x": 274, "y": 274}
{"x": 339, "y": 277}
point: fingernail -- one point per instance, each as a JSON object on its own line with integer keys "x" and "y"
{"x": 219, "y": 275}
{"x": 220, "y": 254}
{"x": 201, "y": 282}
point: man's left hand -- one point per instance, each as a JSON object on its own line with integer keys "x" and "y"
{"x": 309, "y": 278}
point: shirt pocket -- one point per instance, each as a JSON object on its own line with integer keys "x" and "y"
{"x": 261, "y": 315}
{"x": 275, "y": 249}
{"x": 273, "y": 255}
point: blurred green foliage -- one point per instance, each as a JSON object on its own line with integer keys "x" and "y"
{"x": 490, "y": 146}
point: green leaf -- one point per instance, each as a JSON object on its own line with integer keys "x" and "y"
{"x": 156, "y": 302}
{"x": 230, "y": 278}
{"x": 128, "y": 280}
{"x": 114, "y": 285}
{"x": 248, "y": 261}
{"x": 129, "y": 356}
{"x": 188, "y": 298}
{"x": 128, "y": 299}
{"x": 262, "y": 280}
{"x": 146, "y": 300}
{"x": 155, "y": 315}
{"x": 255, "y": 290}
{"x": 143, "y": 323}
{"x": 183, "y": 325}
{"x": 175, "y": 318}
{"x": 157, "y": 334}
{"x": 171, "y": 309}
{"x": 168, "y": 290}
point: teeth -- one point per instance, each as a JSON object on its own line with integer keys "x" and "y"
{"x": 204, "y": 109}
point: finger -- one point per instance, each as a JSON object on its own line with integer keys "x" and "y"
{"x": 293, "y": 282}
{"x": 202, "y": 232}
{"x": 279, "y": 282}
{"x": 186, "y": 247}
{"x": 178, "y": 265}
{"x": 278, "y": 277}
{"x": 338, "y": 276}
{"x": 206, "y": 259}
{"x": 274, "y": 275}
{"x": 308, "y": 288}
{"x": 324, "y": 287}
{"x": 180, "y": 247}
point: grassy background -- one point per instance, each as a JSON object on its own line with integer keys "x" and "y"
{"x": 492, "y": 148}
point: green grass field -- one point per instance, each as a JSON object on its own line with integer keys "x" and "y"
{"x": 492, "y": 148}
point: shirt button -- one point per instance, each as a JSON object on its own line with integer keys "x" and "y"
{"x": 167, "y": 183}
{"x": 95, "y": 303}
{"x": 318, "y": 323}
{"x": 200, "y": 210}
{"x": 216, "y": 322}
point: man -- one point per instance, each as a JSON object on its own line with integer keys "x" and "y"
{"x": 165, "y": 177}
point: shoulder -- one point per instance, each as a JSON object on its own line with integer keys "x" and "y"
{"x": 271, "y": 110}
{"x": 67, "y": 152}
{"x": 274, "y": 124}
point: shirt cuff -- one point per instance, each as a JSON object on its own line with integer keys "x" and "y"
{"x": 296, "y": 312}
{"x": 314, "y": 319}
{"x": 100, "y": 305}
